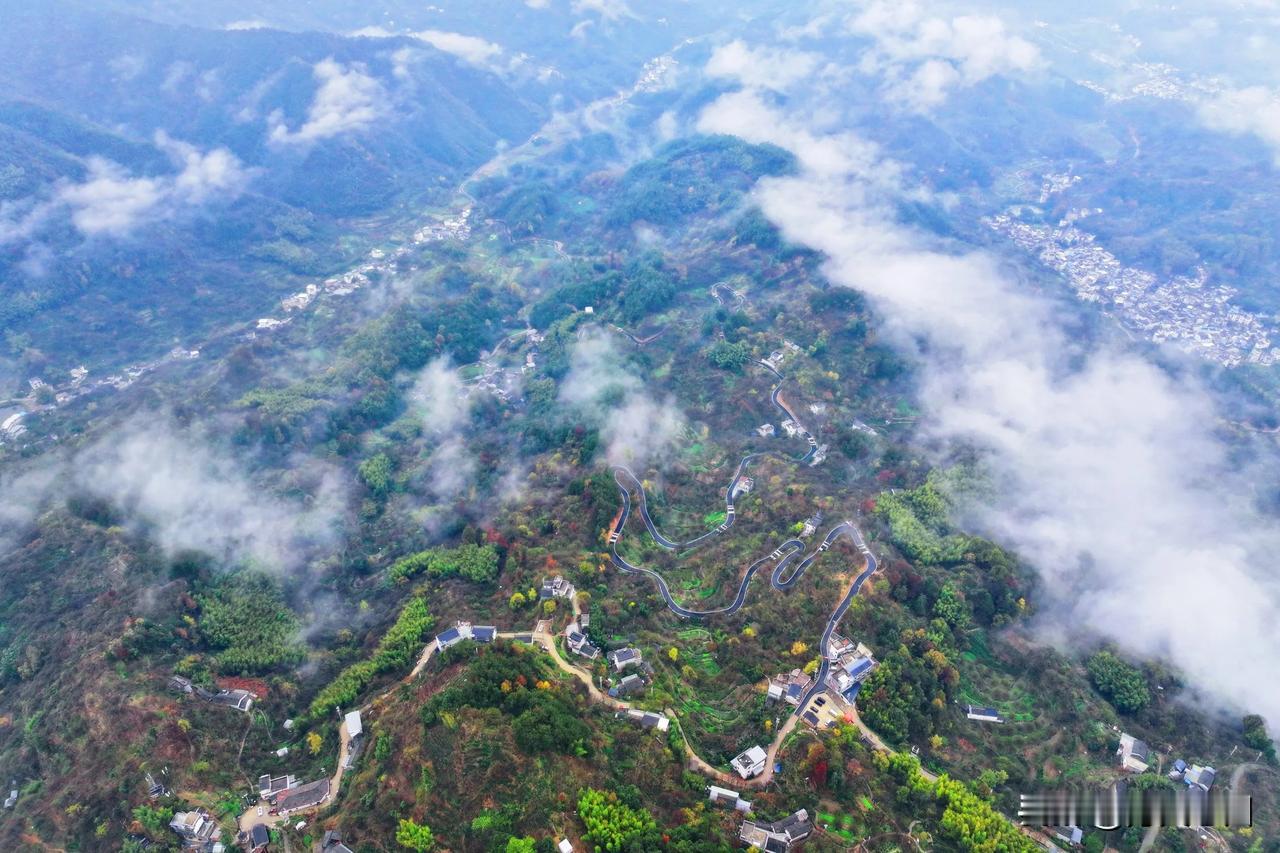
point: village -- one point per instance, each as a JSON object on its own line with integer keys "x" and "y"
{"x": 1189, "y": 312}
{"x": 284, "y": 799}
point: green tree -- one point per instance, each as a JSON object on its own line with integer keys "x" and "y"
{"x": 521, "y": 845}
{"x": 154, "y": 819}
{"x": 375, "y": 472}
{"x": 1121, "y": 683}
{"x": 244, "y": 618}
{"x": 415, "y": 836}
{"x": 729, "y": 356}
{"x": 1255, "y": 734}
{"x": 614, "y": 826}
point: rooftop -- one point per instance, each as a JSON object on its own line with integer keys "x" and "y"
{"x": 304, "y": 796}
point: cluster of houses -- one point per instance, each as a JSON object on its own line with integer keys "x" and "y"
{"x": 465, "y": 631}
{"x": 1136, "y": 757}
{"x": 851, "y": 663}
{"x": 789, "y": 688}
{"x": 775, "y": 359}
{"x": 241, "y": 700}
{"x": 621, "y": 660}
{"x": 811, "y": 525}
{"x": 576, "y": 639}
{"x": 776, "y": 837}
{"x": 779, "y": 836}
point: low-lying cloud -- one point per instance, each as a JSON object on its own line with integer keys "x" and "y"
{"x": 111, "y": 202}
{"x": 185, "y": 491}
{"x": 440, "y": 397}
{"x": 635, "y": 429}
{"x": 470, "y": 49}
{"x": 1113, "y": 484}
{"x": 347, "y": 99}
{"x": 761, "y": 67}
{"x": 1254, "y": 110}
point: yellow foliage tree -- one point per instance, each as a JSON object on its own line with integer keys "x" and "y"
{"x": 315, "y": 740}
{"x": 798, "y": 648}
{"x": 673, "y": 653}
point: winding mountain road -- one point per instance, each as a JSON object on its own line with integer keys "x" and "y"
{"x": 783, "y": 576}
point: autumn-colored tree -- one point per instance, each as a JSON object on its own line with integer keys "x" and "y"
{"x": 315, "y": 741}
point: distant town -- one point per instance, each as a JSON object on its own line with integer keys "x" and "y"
{"x": 1189, "y": 312}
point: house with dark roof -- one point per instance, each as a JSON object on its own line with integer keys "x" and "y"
{"x": 1199, "y": 777}
{"x": 305, "y": 796}
{"x": 620, "y": 659}
{"x": 578, "y": 642}
{"x": 647, "y": 719}
{"x": 332, "y": 843}
{"x": 448, "y": 638}
{"x": 750, "y": 763}
{"x": 984, "y": 715}
{"x": 259, "y": 838}
{"x": 629, "y": 685}
{"x": 465, "y": 631}
{"x": 1134, "y": 754}
{"x": 1072, "y": 835}
{"x": 241, "y": 700}
{"x": 789, "y": 688}
{"x": 779, "y": 836}
{"x": 269, "y": 786}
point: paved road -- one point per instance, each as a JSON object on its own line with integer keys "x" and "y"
{"x": 622, "y": 473}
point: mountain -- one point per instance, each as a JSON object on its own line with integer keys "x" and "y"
{"x": 236, "y": 157}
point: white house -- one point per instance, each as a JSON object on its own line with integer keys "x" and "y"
{"x": 750, "y": 763}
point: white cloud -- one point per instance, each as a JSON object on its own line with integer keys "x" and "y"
{"x": 451, "y": 470}
{"x": 761, "y": 67}
{"x": 1111, "y": 481}
{"x": 470, "y": 49}
{"x": 636, "y": 429}
{"x": 347, "y": 99}
{"x": 373, "y": 32}
{"x": 1255, "y": 110}
{"x": 609, "y": 10}
{"x": 440, "y": 396}
{"x": 111, "y": 202}
{"x": 537, "y": 4}
{"x": 249, "y": 24}
{"x": 205, "y": 175}
{"x": 188, "y": 492}
{"x": 926, "y": 57}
